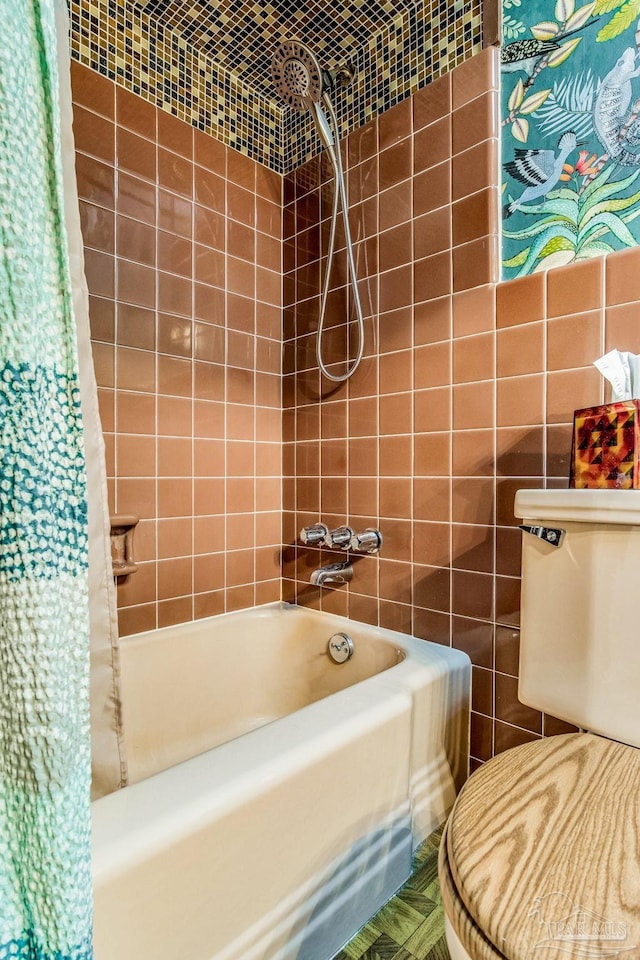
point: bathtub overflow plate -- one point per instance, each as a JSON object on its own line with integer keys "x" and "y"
{"x": 340, "y": 647}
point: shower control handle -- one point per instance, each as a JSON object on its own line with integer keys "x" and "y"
{"x": 315, "y": 535}
{"x": 341, "y": 538}
{"x": 369, "y": 541}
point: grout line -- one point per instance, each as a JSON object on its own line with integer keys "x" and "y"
{"x": 193, "y": 377}
{"x": 156, "y": 371}
{"x": 495, "y": 504}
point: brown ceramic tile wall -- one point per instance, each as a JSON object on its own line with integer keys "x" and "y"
{"x": 183, "y": 260}
{"x": 466, "y": 393}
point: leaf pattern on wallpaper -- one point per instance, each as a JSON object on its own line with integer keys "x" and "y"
{"x": 569, "y": 106}
{"x": 578, "y": 19}
{"x": 571, "y": 132}
{"x": 574, "y": 221}
{"x": 608, "y": 6}
{"x": 534, "y": 102}
{"x": 511, "y": 28}
{"x": 545, "y": 31}
{"x": 621, "y": 21}
{"x": 520, "y": 129}
{"x": 564, "y": 9}
{"x": 564, "y": 50}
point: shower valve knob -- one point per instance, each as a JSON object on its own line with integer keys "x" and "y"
{"x": 341, "y": 538}
{"x": 369, "y": 541}
{"x": 315, "y": 535}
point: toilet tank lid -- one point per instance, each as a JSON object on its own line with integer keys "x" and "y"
{"x": 582, "y": 506}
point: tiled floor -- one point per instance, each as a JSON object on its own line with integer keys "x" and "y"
{"x": 411, "y": 925}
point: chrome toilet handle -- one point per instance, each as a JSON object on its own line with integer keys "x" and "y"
{"x": 551, "y": 535}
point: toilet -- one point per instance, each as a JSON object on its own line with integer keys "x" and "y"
{"x": 540, "y": 857}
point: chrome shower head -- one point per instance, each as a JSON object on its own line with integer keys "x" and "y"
{"x": 297, "y": 75}
{"x": 304, "y": 85}
{"x": 299, "y": 78}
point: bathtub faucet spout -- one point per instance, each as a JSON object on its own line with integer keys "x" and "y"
{"x": 332, "y": 573}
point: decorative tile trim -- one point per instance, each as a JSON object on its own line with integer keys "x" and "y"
{"x": 241, "y": 35}
{"x": 417, "y": 47}
{"x": 142, "y": 54}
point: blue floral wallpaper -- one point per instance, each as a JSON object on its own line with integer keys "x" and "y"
{"x": 570, "y": 99}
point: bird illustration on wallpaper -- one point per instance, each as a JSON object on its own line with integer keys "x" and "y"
{"x": 570, "y": 131}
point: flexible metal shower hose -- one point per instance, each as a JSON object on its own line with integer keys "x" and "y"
{"x": 339, "y": 197}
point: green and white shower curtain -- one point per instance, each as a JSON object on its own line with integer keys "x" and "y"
{"x": 45, "y": 877}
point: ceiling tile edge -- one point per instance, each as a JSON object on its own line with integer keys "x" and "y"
{"x": 417, "y": 47}
{"x": 136, "y": 51}
{"x": 139, "y": 54}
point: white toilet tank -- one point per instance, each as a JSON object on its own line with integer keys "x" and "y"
{"x": 580, "y": 611}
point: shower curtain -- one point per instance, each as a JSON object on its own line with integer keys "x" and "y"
{"x": 45, "y": 762}
{"x": 109, "y": 770}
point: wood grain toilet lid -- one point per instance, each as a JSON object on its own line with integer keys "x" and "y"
{"x": 471, "y": 938}
{"x": 544, "y": 849}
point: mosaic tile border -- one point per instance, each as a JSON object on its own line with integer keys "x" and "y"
{"x": 120, "y": 41}
{"x": 241, "y": 36}
{"x": 417, "y": 47}
{"x": 140, "y": 54}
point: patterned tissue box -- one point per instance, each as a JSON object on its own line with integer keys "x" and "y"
{"x": 606, "y": 446}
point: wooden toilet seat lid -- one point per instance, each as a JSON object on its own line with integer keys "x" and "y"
{"x": 544, "y": 849}
{"x": 467, "y": 932}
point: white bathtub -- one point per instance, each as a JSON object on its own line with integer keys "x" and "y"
{"x": 278, "y": 844}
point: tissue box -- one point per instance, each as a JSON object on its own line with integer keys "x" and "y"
{"x": 606, "y": 446}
